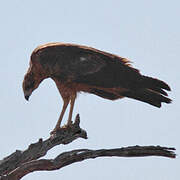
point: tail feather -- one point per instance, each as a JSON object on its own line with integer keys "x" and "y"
{"x": 148, "y": 96}
{"x": 159, "y": 90}
{"x": 155, "y": 84}
{"x": 104, "y": 94}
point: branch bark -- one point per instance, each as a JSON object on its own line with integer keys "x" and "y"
{"x": 20, "y": 163}
{"x": 40, "y": 148}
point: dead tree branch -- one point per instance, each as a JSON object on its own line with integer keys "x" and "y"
{"x": 20, "y": 163}
{"x": 40, "y": 148}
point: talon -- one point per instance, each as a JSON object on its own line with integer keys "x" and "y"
{"x": 70, "y": 123}
{"x": 55, "y": 130}
{"x": 65, "y": 126}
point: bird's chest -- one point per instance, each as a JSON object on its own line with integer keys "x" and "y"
{"x": 65, "y": 88}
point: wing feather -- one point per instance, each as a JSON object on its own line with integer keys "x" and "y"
{"x": 102, "y": 69}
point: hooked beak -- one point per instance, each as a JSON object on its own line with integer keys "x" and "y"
{"x": 27, "y": 97}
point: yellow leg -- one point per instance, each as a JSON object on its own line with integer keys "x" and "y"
{"x": 73, "y": 97}
{"x": 66, "y": 102}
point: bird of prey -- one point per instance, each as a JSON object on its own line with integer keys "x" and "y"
{"x": 77, "y": 68}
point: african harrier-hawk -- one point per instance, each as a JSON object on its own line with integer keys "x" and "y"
{"x": 76, "y": 68}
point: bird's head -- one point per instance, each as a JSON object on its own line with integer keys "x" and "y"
{"x": 30, "y": 83}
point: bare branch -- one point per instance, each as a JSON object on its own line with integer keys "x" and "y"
{"x": 40, "y": 148}
{"x": 20, "y": 163}
{"x": 70, "y": 157}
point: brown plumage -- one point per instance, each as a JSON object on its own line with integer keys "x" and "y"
{"x": 76, "y": 68}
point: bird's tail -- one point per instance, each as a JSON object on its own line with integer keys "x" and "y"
{"x": 152, "y": 92}
{"x": 148, "y": 96}
{"x": 155, "y": 85}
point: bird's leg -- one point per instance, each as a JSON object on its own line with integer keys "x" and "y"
{"x": 73, "y": 97}
{"x": 66, "y": 102}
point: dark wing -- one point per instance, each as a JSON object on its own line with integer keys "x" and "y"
{"x": 84, "y": 64}
{"x": 107, "y": 71}
{"x": 89, "y": 66}
{"x": 102, "y": 70}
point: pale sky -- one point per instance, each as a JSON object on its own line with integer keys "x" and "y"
{"x": 146, "y": 32}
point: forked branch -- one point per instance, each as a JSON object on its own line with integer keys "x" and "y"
{"x": 20, "y": 163}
